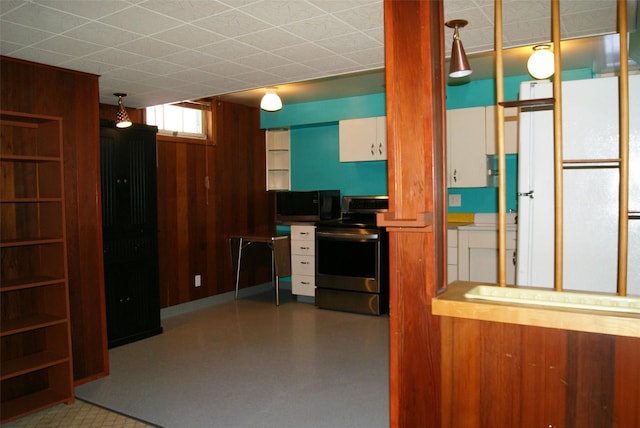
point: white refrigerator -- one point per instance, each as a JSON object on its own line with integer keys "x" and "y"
{"x": 590, "y": 219}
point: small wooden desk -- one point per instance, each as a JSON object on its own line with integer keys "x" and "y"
{"x": 280, "y": 246}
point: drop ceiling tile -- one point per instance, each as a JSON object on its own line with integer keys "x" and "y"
{"x": 377, "y": 34}
{"x": 303, "y": 52}
{"x": 86, "y": 9}
{"x": 258, "y": 78}
{"x": 89, "y": 66}
{"x": 102, "y": 34}
{"x": 229, "y": 49}
{"x": 150, "y": 47}
{"x": 334, "y": 6}
{"x": 270, "y": 39}
{"x": 41, "y": 56}
{"x": 263, "y": 59}
{"x": 280, "y": 12}
{"x": 8, "y": 5}
{"x": 188, "y": 36}
{"x": 7, "y": 48}
{"x": 349, "y": 43}
{"x": 116, "y": 57}
{"x": 142, "y": 21}
{"x": 193, "y": 58}
{"x": 68, "y": 46}
{"x": 334, "y": 64}
{"x": 226, "y": 68}
{"x": 291, "y": 72}
{"x": 129, "y": 74}
{"x": 186, "y": 10}
{"x": 10, "y": 32}
{"x": 232, "y": 23}
{"x": 364, "y": 17}
{"x": 158, "y": 66}
{"x": 43, "y": 18}
{"x": 192, "y": 75}
{"x": 319, "y": 28}
{"x": 370, "y": 58}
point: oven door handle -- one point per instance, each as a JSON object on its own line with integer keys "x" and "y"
{"x": 347, "y": 236}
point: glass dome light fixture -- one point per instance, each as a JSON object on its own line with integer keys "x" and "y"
{"x": 122, "y": 117}
{"x": 270, "y": 101}
{"x": 541, "y": 62}
{"x": 459, "y": 65}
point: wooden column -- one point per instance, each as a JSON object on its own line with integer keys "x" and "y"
{"x": 417, "y": 219}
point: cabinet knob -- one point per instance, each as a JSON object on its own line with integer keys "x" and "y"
{"x": 455, "y": 173}
{"x": 380, "y": 148}
{"x": 373, "y": 151}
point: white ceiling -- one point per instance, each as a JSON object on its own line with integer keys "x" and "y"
{"x": 161, "y": 51}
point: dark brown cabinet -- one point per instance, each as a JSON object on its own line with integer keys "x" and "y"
{"x": 130, "y": 232}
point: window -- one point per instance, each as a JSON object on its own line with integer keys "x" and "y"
{"x": 178, "y": 120}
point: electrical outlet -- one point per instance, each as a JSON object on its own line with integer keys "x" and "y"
{"x": 455, "y": 200}
{"x": 198, "y": 281}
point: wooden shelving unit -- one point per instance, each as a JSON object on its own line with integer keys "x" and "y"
{"x": 36, "y": 369}
{"x": 278, "y": 159}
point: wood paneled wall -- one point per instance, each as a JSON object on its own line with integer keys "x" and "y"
{"x": 195, "y": 221}
{"x": 504, "y": 375}
{"x": 35, "y": 88}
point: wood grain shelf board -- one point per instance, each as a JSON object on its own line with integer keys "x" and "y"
{"x": 40, "y": 400}
{"x": 30, "y": 363}
{"x": 29, "y": 323}
{"x": 30, "y": 282}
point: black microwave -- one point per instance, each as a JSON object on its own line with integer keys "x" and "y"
{"x": 307, "y": 205}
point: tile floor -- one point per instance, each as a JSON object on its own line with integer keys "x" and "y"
{"x": 248, "y": 363}
{"x": 77, "y": 415}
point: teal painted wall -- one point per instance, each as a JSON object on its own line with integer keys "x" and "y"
{"x": 315, "y": 160}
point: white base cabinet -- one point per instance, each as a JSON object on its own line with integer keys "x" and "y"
{"x": 478, "y": 255}
{"x": 303, "y": 263}
{"x": 452, "y": 255}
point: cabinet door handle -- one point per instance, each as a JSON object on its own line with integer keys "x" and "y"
{"x": 373, "y": 151}
{"x": 380, "y": 148}
{"x": 455, "y": 173}
{"x": 305, "y": 282}
{"x": 304, "y": 248}
{"x": 304, "y": 263}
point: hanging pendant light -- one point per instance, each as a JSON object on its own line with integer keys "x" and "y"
{"x": 459, "y": 66}
{"x": 271, "y": 101}
{"x": 122, "y": 117}
{"x": 540, "y": 64}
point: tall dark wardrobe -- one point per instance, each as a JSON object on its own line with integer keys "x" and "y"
{"x": 130, "y": 232}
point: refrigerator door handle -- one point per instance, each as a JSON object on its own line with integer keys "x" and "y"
{"x": 529, "y": 194}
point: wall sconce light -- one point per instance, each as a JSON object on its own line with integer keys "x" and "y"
{"x": 540, "y": 64}
{"x": 122, "y": 117}
{"x": 271, "y": 101}
{"x": 459, "y": 66}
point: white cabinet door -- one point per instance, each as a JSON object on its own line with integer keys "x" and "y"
{"x": 278, "y": 159}
{"x": 363, "y": 139}
{"x": 303, "y": 263}
{"x": 466, "y": 157}
{"x": 452, "y": 255}
{"x": 478, "y": 256}
{"x": 510, "y": 130}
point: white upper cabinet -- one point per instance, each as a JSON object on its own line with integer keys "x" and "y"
{"x": 363, "y": 139}
{"x": 466, "y": 147}
{"x": 510, "y": 130}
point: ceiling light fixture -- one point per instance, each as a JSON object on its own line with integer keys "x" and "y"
{"x": 540, "y": 64}
{"x": 459, "y": 66}
{"x": 122, "y": 117}
{"x": 271, "y": 101}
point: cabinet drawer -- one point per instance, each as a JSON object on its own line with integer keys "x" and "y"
{"x": 303, "y": 285}
{"x": 452, "y": 238}
{"x": 303, "y": 265}
{"x": 303, "y": 248}
{"x": 303, "y": 233}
